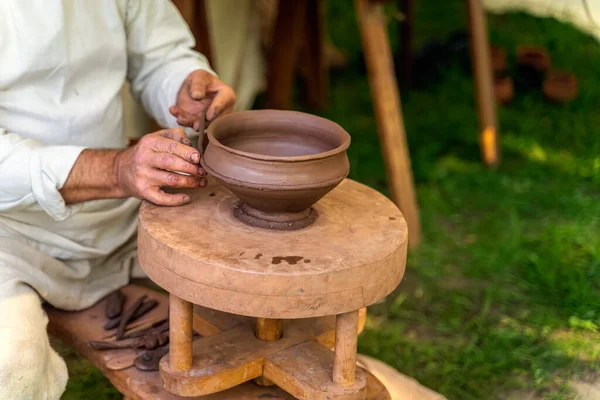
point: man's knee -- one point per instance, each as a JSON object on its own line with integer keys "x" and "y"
{"x": 29, "y": 368}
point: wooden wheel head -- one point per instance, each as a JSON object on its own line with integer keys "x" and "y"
{"x": 352, "y": 256}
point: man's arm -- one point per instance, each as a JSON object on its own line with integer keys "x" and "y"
{"x": 93, "y": 177}
{"x": 139, "y": 171}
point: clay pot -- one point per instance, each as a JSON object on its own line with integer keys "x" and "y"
{"x": 278, "y": 163}
{"x": 504, "y": 90}
{"x": 499, "y": 64}
{"x": 560, "y": 86}
{"x": 532, "y": 65}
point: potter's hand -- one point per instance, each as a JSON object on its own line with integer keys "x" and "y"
{"x": 146, "y": 167}
{"x": 202, "y": 93}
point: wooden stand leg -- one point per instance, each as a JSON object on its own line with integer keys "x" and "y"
{"x": 484, "y": 86}
{"x": 388, "y": 113}
{"x": 180, "y": 333}
{"x": 268, "y": 330}
{"x": 346, "y": 337}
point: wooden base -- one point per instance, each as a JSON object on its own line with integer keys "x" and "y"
{"x": 78, "y": 328}
{"x": 300, "y": 362}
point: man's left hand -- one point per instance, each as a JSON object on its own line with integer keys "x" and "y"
{"x": 202, "y": 94}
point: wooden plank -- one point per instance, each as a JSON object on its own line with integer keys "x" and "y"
{"x": 388, "y": 113}
{"x": 305, "y": 372}
{"x": 224, "y": 361}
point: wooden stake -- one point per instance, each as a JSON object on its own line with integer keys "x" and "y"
{"x": 281, "y": 62}
{"x": 484, "y": 86}
{"x": 346, "y": 337}
{"x": 180, "y": 333}
{"x": 268, "y": 329}
{"x": 388, "y": 113}
{"x": 406, "y": 40}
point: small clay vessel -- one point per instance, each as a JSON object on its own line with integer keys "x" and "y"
{"x": 278, "y": 163}
{"x": 560, "y": 86}
{"x": 499, "y": 64}
{"x": 504, "y": 90}
{"x": 532, "y": 65}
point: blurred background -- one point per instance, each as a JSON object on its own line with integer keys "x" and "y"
{"x": 501, "y": 297}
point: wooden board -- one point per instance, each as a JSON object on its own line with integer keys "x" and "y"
{"x": 223, "y": 361}
{"x": 351, "y": 257}
{"x": 76, "y": 329}
{"x": 305, "y": 371}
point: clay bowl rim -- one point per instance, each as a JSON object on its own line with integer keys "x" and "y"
{"x": 269, "y": 114}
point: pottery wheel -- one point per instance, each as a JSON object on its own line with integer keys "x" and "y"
{"x": 351, "y": 257}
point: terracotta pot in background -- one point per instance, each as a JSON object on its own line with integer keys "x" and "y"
{"x": 532, "y": 65}
{"x": 499, "y": 64}
{"x": 560, "y": 86}
{"x": 504, "y": 90}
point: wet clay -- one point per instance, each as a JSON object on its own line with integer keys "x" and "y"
{"x": 292, "y": 260}
{"x": 278, "y": 163}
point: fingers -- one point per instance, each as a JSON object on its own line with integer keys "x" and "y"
{"x": 176, "y": 134}
{"x": 224, "y": 100}
{"x": 185, "y": 118}
{"x": 171, "y": 146}
{"x": 159, "y": 197}
{"x": 171, "y": 162}
{"x": 162, "y": 178}
{"x": 199, "y": 81}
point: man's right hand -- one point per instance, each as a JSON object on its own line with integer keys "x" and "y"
{"x": 154, "y": 162}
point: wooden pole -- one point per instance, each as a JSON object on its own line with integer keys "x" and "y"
{"x": 388, "y": 113}
{"x": 406, "y": 38}
{"x": 313, "y": 66}
{"x": 180, "y": 334}
{"x": 268, "y": 329}
{"x": 346, "y": 337}
{"x": 484, "y": 86}
{"x": 283, "y": 56}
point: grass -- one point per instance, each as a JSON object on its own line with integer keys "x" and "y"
{"x": 503, "y": 294}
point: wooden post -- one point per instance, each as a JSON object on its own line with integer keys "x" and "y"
{"x": 388, "y": 113}
{"x": 180, "y": 334}
{"x": 484, "y": 86}
{"x": 281, "y": 62}
{"x": 268, "y": 329}
{"x": 313, "y": 66}
{"x": 406, "y": 38}
{"x": 346, "y": 337}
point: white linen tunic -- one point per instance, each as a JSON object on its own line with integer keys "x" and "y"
{"x": 62, "y": 65}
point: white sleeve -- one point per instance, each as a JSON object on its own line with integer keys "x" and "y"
{"x": 160, "y": 55}
{"x": 32, "y": 174}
